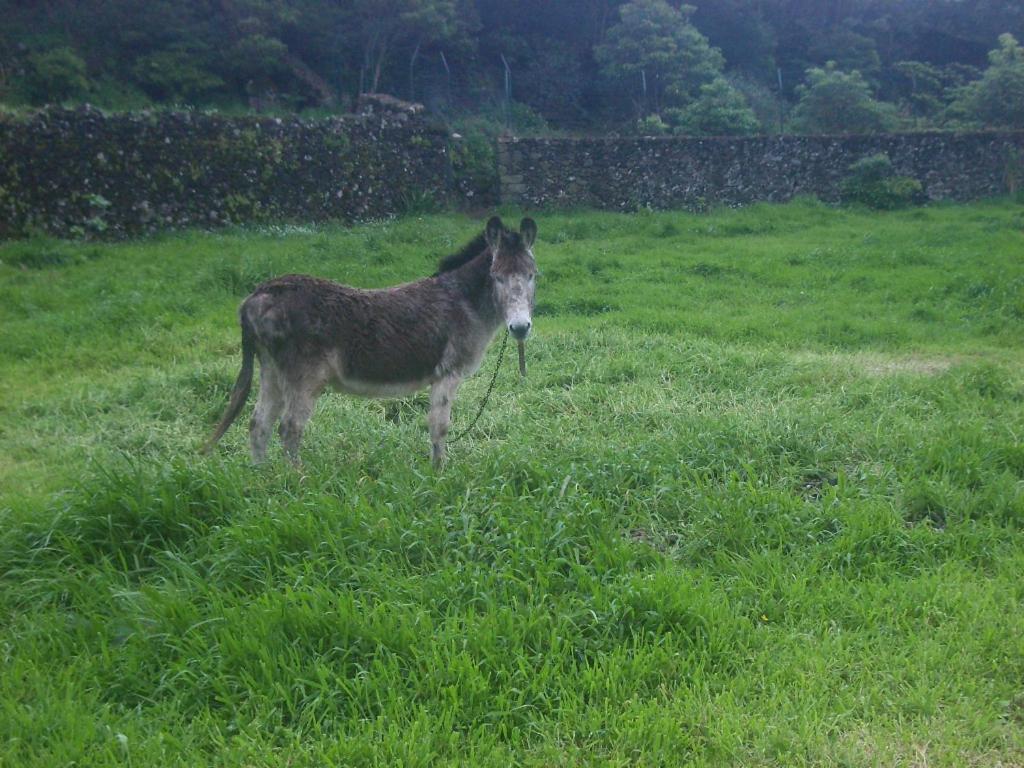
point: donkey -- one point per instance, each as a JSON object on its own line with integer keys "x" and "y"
{"x": 310, "y": 334}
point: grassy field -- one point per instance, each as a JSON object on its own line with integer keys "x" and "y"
{"x": 759, "y": 502}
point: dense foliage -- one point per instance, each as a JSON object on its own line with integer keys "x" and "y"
{"x": 872, "y": 181}
{"x": 579, "y": 64}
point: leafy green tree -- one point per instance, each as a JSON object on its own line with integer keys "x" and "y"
{"x": 833, "y": 101}
{"x": 924, "y": 90}
{"x": 54, "y": 76}
{"x": 655, "y": 45}
{"x": 719, "y": 110}
{"x": 921, "y": 87}
{"x": 997, "y": 99}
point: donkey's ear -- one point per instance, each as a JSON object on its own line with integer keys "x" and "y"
{"x": 528, "y": 229}
{"x": 493, "y": 231}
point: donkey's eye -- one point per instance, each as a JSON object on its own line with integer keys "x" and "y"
{"x": 499, "y": 279}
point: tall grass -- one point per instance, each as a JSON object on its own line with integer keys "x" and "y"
{"x": 759, "y": 502}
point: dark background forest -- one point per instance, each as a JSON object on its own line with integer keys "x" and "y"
{"x": 535, "y": 66}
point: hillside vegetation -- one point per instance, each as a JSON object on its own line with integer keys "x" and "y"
{"x": 759, "y": 501}
{"x": 728, "y": 66}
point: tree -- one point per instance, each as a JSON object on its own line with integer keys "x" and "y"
{"x": 657, "y": 47}
{"x": 381, "y": 26}
{"x": 920, "y": 87}
{"x": 275, "y": 44}
{"x": 850, "y": 49}
{"x": 833, "y": 101}
{"x": 925, "y": 90}
{"x": 738, "y": 28}
{"x": 719, "y": 110}
{"x": 765, "y": 102}
{"x": 997, "y": 99}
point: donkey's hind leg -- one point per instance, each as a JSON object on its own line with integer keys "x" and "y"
{"x": 268, "y": 410}
{"x": 442, "y": 393}
{"x": 298, "y": 407}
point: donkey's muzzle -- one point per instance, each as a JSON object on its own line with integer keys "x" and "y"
{"x": 519, "y": 331}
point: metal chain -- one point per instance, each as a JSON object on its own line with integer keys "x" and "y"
{"x": 483, "y": 403}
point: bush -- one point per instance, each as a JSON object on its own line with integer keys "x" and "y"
{"x": 872, "y": 181}
{"x": 652, "y": 125}
{"x": 475, "y": 162}
{"x": 474, "y": 157}
{"x": 55, "y": 75}
{"x": 178, "y": 74}
{"x": 260, "y": 64}
{"x": 110, "y": 93}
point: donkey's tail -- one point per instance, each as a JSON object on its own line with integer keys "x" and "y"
{"x": 240, "y": 392}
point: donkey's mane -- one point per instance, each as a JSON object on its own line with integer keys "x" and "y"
{"x": 469, "y": 251}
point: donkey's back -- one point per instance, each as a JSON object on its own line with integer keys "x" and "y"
{"x": 394, "y": 336}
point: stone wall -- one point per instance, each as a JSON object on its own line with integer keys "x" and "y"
{"x": 81, "y": 172}
{"x": 74, "y": 172}
{"x": 693, "y": 173}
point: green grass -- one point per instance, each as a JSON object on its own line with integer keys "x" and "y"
{"x": 759, "y": 502}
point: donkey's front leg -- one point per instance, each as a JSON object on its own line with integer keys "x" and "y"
{"x": 441, "y": 395}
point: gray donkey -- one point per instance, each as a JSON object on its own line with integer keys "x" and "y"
{"x": 310, "y": 334}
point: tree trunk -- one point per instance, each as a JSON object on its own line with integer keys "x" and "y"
{"x": 412, "y": 66}
{"x": 382, "y": 53}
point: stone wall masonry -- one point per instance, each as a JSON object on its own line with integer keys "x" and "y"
{"x": 75, "y": 172}
{"x": 82, "y": 172}
{"x": 695, "y": 173}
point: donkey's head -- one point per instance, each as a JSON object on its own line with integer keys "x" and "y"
{"x": 513, "y": 273}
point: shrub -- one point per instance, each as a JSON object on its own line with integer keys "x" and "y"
{"x": 259, "y": 58}
{"x": 109, "y": 93}
{"x": 872, "y": 181}
{"x": 475, "y": 162}
{"x": 474, "y": 158}
{"x": 652, "y": 125}
{"x": 178, "y": 74}
{"x": 55, "y": 75}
